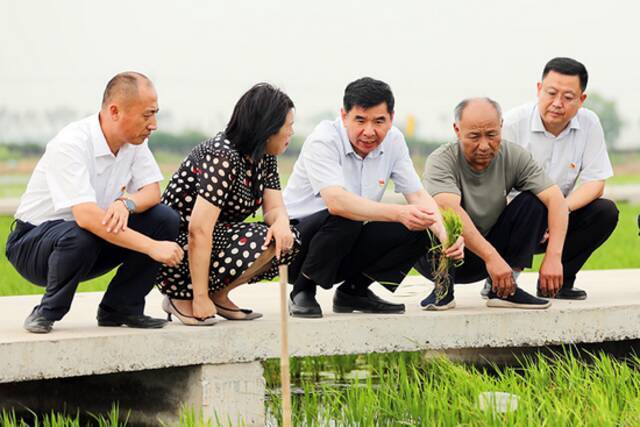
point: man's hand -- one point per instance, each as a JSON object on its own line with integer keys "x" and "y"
{"x": 500, "y": 273}
{"x": 165, "y": 252}
{"x": 551, "y": 275}
{"x": 116, "y": 217}
{"x": 456, "y": 251}
{"x": 202, "y": 307}
{"x": 415, "y": 217}
{"x": 281, "y": 233}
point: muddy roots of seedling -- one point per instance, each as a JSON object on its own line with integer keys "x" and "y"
{"x": 440, "y": 264}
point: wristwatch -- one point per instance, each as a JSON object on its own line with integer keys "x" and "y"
{"x": 129, "y": 204}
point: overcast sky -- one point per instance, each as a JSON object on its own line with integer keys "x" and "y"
{"x": 202, "y": 55}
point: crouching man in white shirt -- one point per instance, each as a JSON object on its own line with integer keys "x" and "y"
{"x": 92, "y": 204}
{"x": 568, "y": 142}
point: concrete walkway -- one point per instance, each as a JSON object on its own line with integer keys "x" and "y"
{"x": 217, "y": 370}
{"x": 612, "y": 312}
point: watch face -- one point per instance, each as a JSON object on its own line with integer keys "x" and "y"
{"x": 131, "y": 206}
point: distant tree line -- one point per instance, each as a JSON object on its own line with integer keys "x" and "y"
{"x": 182, "y": 143}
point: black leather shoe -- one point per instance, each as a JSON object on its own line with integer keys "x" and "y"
{"x": 304, "y": 304}
{"x": 370, "y": 303}
{"x": 568, "y": 293}
{"x": 106, "y": 318}
{"x": 36, "y": 323}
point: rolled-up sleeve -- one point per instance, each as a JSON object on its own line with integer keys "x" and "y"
{"x": 68, "y": 176}
{"x": 145, "y": 169}
{"x": 322, "y": 162}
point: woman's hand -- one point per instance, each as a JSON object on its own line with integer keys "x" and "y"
{"x": 281, "y": 233}
{"x": 203, "y": 307}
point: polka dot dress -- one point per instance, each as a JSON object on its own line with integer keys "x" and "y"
{"x": 216, "y": 171}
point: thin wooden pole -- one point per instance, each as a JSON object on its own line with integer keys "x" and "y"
{"x": 284, "y": 350}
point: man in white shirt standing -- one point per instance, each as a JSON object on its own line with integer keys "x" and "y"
{"x": 92, "y": 204}
{"x": 567, "y": 140}
{"x": 334, "y": 193}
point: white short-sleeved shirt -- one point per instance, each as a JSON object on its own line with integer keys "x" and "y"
{"x": 78, "y": 167}
{"x": 327, "y": 159}
{"x": 579, "y": 152}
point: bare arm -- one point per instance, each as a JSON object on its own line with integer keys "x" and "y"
{"x": 89, "y": 216}
{"x": 116, "y": 216}
{"x": 203, "y": 220}
{"x": 422, "y": 198}
{"x": 558, "y": 218}
{"x": 275, "y": 215}
{"x": 351, "y": 206}
{"x": 585, "y": 194}
{"x": 342, "y": 203}
{"x": 146, "y": 197}
{"x": 273, "y": 207}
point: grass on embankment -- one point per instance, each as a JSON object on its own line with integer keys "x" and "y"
{"x": 622, "y": 250}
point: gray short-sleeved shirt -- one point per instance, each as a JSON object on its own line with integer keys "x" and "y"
{"x": 327, "y": 159}
{"x": 484, "y": 194}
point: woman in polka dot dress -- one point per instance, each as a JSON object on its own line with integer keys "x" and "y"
{"x": 223, "y": 181}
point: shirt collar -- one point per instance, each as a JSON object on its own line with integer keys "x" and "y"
{"x": 100, "y": 146}
{"x": 348, "y": 148}
{"x": 538, "y": 126}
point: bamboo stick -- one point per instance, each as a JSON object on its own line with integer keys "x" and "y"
{"x": 284, "y": 349}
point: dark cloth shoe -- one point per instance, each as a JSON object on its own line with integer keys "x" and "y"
{"x": 486, "y": 288}
{"x": 108, "y": 318}
{"x": 446, "y": 303}
{"x": 36, "y": 323}
{"x": 566, "y": 293}
{"x": 520, "y": 299}
{"x": 368, "y": 303}
{"x": 304, "y": 304}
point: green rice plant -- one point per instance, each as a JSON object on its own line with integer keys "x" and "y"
{"x": 562, "y": 389}
{"x": 112, "y": 418}
{"x": 440, "y": 263}
{"x": 189, "y": 417}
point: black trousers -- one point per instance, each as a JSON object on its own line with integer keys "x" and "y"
{"x": 336, "y": 249}
{"x": 589, "y": 227}
{"x": 59, "y": 255}
{"x": 519, "y": 229}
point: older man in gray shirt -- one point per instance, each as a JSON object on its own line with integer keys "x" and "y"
{"x": 334, "y": 193}
{"x": 473, "y": 176}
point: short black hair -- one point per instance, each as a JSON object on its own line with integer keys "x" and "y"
{"x": 366, "y": 93}
{"x": 568, "y": 67}
{"x": 125, "y": 83}
{"x": 258, "y": 114}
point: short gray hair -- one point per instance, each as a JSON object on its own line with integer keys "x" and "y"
{"x": 125, "y": 83}
{"x": 457, "y": 112}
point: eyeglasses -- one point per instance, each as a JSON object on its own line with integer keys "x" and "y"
{"x": 565, "y": 98}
